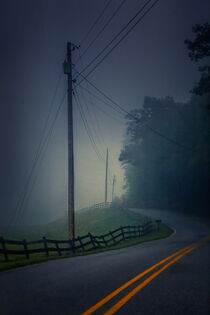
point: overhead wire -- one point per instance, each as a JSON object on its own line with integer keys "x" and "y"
{"x": 100, "y": 108}
{"x": 88, "y": 131}
{"x": 92, "y": 121}
{"x": 95, "y": 22}
{"x": 96, "y": 120}
{"x": 137, "y": 119}
{"x": 40, "y": 146}
{"x": 116, "y": 36}
{"x": 43, "y": 147}
{"x": 103, "y": 94}
{"x": 124, "y": 36}
{"x": 109, "y": 170}
{"x": 104, "y": 27}
{"x": 38, "y": 150}
{"x": 122, "y": 110}
{"x": 99, "y": 133}
{"x": 117, "y": 44}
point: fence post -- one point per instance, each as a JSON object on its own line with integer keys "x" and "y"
{"x": 71, "y": 243}
{"x": 150, "y": 226}
{"x": 143, "y": 230}
{"x": 139, "y": 230}
{"x": 129, "y": 229}
{"x": 45, "y": 246}
{"x": 134, "y": 231}
{"x": 4, "y": 248}
{"x": 122, "y": 231}
{"x": 104, "y": 240}
{"x": 113, "y": 239}
{"x": 58, "y": 248}
{"x": 97, "y": 242}
{"x": 92, "y": 240}
{"x": 158, "y": 224}
{"x": 26, "y": 248}
{"x": 80, "y": 241}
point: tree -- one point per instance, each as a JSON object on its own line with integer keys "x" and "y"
{"x": 159, "y": 173}
{"x": 199, "y": 48}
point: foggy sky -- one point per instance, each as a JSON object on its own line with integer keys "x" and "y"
{"x": 152, "y": 60}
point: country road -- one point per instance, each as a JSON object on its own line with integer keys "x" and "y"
{"x": 179, "y": 284}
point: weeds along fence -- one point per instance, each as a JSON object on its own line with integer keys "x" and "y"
{"x": 84, "y": 243}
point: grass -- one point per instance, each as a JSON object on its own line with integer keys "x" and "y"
{"x": 96, "y": 221}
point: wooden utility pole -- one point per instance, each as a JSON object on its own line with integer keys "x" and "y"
{"x": 113, "y": 185}
{"x": 106, "y": 177}
{"x": 68, "y": 71}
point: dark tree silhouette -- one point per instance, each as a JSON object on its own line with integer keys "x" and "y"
{"x": 199, "y": 48}
{"x": 159, "y": 174}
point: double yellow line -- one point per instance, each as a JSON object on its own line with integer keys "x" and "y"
{"x": 173, "y": 258}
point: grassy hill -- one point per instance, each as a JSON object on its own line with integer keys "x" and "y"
{"x": 95, "y": 221}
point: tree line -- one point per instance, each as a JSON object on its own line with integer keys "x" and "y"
{"x": 166, "y": 149}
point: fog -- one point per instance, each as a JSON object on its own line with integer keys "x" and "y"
{"x": 152, "y": 61}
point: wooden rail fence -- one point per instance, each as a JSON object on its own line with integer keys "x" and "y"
{"x": 84, "y": 243}
{"x": 100, "y": 205}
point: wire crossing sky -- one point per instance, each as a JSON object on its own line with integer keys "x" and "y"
{"x": 151, "y": 61}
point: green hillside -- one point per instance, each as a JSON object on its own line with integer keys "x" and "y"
{"x": 95, "y": 221}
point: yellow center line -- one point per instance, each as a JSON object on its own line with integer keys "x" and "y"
{"x": 126, "y": 298}
{"x": 133, "y": 280}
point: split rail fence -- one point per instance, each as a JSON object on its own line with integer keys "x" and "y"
{"x": 84, "y": 243}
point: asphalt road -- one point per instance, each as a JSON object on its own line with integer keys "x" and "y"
{"x": 72, "y": 286}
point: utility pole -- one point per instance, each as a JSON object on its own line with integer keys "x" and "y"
{"x": 106, "y": 177}
{"x": 68, "y": 71}
{"x": 113, "y": 185}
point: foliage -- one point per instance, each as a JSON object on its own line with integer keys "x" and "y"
{"x": 199, "y": 49}
{"x": 158, "y": 172}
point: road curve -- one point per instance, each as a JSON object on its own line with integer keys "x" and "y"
{"x": 178, "y": 285}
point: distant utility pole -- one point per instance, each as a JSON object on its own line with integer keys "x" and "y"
{"x": 107, "y": 156}
{"x": 68, "y": 71}
{"x": 113, "y": 185}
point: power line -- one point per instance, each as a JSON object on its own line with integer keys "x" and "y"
{"x": 98, "y": 98}
{"x": 96, "y": 21}
{"x": 101, "y": 100}
{"x": 95, "y": 118}
{"x": 137, "y": 120}
{"x": 99, "y": 107}
{"x": 92, "y": 120}
{"x": 38, "y": 151}
{"x": 102, "y": 93}
{"x": 91, "y": 102}
{"x": 104, "y": 27}
{"x": 43, "y": 147}
{"x": 117, "y": 44}
{"x": 42, "y": 152}
{"x": 109, "y": 178}
{"x": 168, "y": 139}
{"x": 107, "y": 97}
{"x": 116, "y": 36}
{"x": 85, "y": 122}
